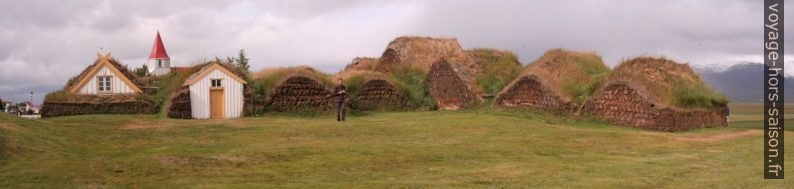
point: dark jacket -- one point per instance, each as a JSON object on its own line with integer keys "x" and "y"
{"x": 339, "y": 93}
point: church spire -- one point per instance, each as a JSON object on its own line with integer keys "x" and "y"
{"x": 158, "y": 50}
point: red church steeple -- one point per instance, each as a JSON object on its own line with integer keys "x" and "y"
{"x": 158, "y": 50}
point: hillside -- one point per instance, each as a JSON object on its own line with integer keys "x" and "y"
{"x": 742, "y": 82}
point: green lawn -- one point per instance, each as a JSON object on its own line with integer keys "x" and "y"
{"x": 476, "y": 148}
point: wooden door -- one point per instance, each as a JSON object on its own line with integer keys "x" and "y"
{"x": 216, "y": 104}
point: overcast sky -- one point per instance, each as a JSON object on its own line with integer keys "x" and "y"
{"x": 43, "y": 43}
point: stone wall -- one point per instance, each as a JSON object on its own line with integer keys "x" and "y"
{"x": 388, "y": 60}
{"x": 378, "y": 94}
{"x": 253, "y": 103}
{"x": 449, "y": 91}
{"x": 621, "y": 104}
{"x": 180, "y": 104}
{"x": 299, "y": 92}
{"x": 129, "y": 106}
{"x": 528, "y": 91}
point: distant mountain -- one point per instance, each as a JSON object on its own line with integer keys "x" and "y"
{"x": 742, "y": 82}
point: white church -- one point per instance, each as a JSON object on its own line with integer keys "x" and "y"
{"x": 159, "y": 63}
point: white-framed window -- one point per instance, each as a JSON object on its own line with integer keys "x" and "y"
{"x": 215, "y": 82}
{"x": 104, "y": 83}
{"x": 159, "y": 63}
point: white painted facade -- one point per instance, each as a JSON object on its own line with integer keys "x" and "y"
{"x": 117, "y": 86}
{"x": 159, "y": 66}
{"x": 232, "y": 94}
{"x": 6, "y": 105}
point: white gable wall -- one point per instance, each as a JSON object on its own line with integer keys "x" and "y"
{"x": 117, "y": 86}
{"x": 232, "y": 93}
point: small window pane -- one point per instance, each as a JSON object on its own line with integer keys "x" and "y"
{"x": 216, "y": 82}
{"x": 104, "y": 83}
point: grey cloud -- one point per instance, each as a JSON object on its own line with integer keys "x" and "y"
{"x": 616, "y": 29}
{"x": 43, "y": 43}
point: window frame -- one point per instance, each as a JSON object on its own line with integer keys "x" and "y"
{"x": 104, "y": 84}
{"x": 220, "y": 83}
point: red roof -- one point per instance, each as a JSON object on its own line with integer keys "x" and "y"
{"x": 181, "y": 69}
{"x": 158, "y": 50}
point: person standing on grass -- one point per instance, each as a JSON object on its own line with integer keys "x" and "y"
{"x": 339, "y": 99}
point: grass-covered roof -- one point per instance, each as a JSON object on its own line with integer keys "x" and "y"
{"x": 668, "y": 82}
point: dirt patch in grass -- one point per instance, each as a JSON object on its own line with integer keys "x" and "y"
{"x": 133, "y": 125}
{"x": 9, "y": 126}
{"x": 200, "y": 160}
{"x": 230, "y": 158}
{"x": 172, "y": 160}
{"x": 163, "y": 124}
{"x": 719, "y": 137}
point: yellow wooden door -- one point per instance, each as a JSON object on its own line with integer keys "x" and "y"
{"x": 216, "y": 104}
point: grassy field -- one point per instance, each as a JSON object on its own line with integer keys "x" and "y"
{"x": 475, "y": 148}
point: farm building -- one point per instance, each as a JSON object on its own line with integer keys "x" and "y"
{"x": 485, "y": 71}
{"x": 448, "y": 90}
{"x": 657, "y": 94}
{"x": 30, "y": 107}
{"x": 105, "y": 87}
{"x": 6, "y": 105}
{"x": 213, "y": 92}
{"x": 378, "y": 94}
{"x": 559, "y": 80}
{"x": 369, "y": 89}
{"x": 291, "y": 89}
{"x": 297, "y": 92}
{"x": 362, "y": 64}
{"x": 105, "y": 77}
{"x": 422, "y": 52}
